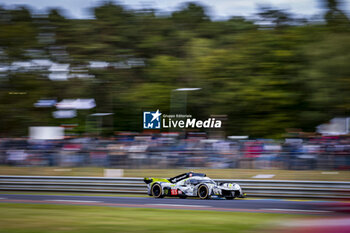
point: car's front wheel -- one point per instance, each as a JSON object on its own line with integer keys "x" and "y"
{"x": 203, "y": 192}
{"x": 157, "y": 191}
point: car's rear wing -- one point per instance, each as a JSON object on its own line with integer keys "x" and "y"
{"x": 149, "y": 180}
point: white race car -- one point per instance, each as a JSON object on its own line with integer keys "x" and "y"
{"x": 192, "y": 185}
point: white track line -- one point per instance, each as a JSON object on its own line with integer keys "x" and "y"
{"x": 173, "y": 205}
{"x": 298, "y": 210}
{"x": 75, "y": 201}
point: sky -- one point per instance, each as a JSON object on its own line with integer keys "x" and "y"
{"x": 218, "y": 9}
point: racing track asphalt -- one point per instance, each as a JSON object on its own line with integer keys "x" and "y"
{"x": 238, "y": 205}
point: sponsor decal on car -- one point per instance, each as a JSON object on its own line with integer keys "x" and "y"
{"x": 216, "y": 192}
{"x": 179, "y": 178}
{"x": 173, "y": 192}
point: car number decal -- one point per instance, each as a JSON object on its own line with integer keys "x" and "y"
{"x": 174, "y": 192}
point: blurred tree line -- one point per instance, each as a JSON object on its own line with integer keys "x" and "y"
{"x": 268, "y": 74}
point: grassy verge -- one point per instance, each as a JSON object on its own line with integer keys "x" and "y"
{"x": 40, "y": 218}
{"x": 213, "y": 173}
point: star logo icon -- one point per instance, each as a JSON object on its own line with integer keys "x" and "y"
{"x": 156, "y": 115}
{"x": 151, "y": 120}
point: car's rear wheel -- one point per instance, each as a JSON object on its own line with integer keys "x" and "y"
{"x": 157, "y": 191}
{"x": 203, "y": 192}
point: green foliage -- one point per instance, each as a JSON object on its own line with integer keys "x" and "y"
{"x": 290, "y": 74}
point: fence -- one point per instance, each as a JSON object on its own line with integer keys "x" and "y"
{"x": 129, "y": 185}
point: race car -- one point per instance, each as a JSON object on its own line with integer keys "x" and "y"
{"x": 192, "y": 184}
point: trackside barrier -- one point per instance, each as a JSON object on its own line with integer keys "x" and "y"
{"x": 132, "y": 185}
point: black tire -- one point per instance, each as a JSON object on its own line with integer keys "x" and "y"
{"x": 183, "y": 197}
{"x": 229, "y": 198}
{"x": 157, "y": 191}
{"x": 203, "y": 192}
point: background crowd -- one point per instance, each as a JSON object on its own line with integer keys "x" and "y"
{"x": 169, "y": 151}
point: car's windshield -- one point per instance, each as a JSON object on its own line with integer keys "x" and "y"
{"x": 208, "y": 181}
{"x": 197, "y": 181}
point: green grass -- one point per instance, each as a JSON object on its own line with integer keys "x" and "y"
{"x": 213, "y": 173}
{"x": 40, "y": 218}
